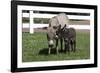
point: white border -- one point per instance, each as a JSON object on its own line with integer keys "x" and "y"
{"x": 53, "y": 63}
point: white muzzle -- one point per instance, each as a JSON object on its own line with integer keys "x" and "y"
{"x": 51, "y": 42}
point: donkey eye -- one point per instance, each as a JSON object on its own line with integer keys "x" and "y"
{"x": 54, "y": 27}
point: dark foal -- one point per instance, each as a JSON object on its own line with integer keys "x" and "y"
{"x": 69, "y": 35}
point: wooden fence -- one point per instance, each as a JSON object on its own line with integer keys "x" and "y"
{"x": 31, "y": 25}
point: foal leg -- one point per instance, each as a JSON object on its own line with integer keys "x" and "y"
{"x": 57, "y": 46}
{"x": 66, "y": 48}
{"x": 74, "y": 45}
{"x": 69, "y": 46}
{"x": 61, "y": 42}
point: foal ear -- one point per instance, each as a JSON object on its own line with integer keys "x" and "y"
{"x": 59, "y": 26}
{"x": 64, "y": 27}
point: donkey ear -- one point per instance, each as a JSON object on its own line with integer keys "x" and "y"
{"x": 59, "y": 26}
{"x": 65, "y": 25}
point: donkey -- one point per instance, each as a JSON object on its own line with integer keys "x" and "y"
{"x": 52, "y": 37}
{"x": 59, "y": 21}
{"x": 69, "y": 35}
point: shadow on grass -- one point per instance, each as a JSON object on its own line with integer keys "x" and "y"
{"x": 44, "y": 51}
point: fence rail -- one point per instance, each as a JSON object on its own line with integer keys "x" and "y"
{"x": 36, "y": 15}
{"x": 32, "y": 25}
{"x": 26, "y": 25}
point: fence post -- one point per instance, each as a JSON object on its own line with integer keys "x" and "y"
{"x": 31, "y": 22}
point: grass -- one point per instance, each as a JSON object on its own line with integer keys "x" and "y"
{"x": 35, "y": 48}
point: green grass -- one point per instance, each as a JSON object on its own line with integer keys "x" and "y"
{"x": 35, "y": 48}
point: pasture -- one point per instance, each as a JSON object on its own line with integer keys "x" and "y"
{"x": 35, "y": 48}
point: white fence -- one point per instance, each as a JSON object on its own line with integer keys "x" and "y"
{"x": 32, "y": 15}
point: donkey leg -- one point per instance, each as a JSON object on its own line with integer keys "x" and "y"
{"x": 61, "y": 42}
{"x": 57, "y": 50}
{"x": 66, "y": 48}
{"x": 69, "y": 47}
{"x": 74, "y": 46}
{"x": 57, "y": 46}
{"x": 49, "y": 50}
